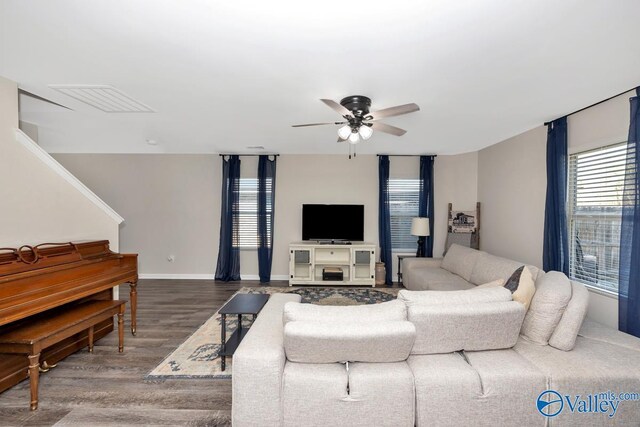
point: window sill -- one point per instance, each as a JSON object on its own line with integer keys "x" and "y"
{"x": 599, "y": 291}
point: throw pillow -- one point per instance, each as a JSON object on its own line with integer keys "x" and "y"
{"x": 553, "y": 292}
{"x": 514, "y": 280}
{"x": 494, "y": 284}
{"x": 565, "y": 334}
{"x": 526, "y": 288}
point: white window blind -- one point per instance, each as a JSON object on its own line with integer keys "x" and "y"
{"x": 596, "y": 183}
{"x": 403, "y": 198}
{"x": 247, "y": 235}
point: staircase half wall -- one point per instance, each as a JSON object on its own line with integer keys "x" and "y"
{"x": 40, "y": 201}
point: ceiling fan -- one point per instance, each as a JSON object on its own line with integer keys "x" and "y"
{"x": 359, "y": 123}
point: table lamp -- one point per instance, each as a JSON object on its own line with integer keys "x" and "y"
{"x": 420, "y": 228}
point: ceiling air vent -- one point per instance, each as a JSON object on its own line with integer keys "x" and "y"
{"x": 104, "y": 97}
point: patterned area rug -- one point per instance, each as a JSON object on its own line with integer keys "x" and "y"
{"x": 197, "y": 357}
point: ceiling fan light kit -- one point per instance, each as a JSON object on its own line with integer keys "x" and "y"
{"x": 354, "y": 138}
{"x": 365, "y": 131}
{"x": 344, "y": 131}
{"x": 360, "y": 121}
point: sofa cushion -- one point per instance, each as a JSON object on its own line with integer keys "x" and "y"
{"x": 495, "y": 284}
{"x": 591, "y": 367}
{"x": 490, "y": 267}
{"x": 436, "y": 279}
{"x": 443, "y": 328}
{"x": 526, "y": 288}
{"x": 366, "y": 394}
{"x": 460, "y": 260}
{"x": 564, "y": 336}
{"x": 553, "y": 292}
{"x": 599, "y": 332}
{"x": 493, "y": 294}
{"x": 330, "y": 342}
{"x": 386, "y": 311}
{"x": 488, "y": 388}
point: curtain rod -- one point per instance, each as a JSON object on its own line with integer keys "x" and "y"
{"x": 248, "y": 155}
{"x": 592, "y": 105}
{"x": 407, "y": 155}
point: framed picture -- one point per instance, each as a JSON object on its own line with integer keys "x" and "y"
{"x": 462, "y": 221}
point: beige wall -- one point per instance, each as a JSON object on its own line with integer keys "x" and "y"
{"x": 39, "y": 205}
{"x": 604, "y": 124}
{"x": 512, "y": 187}
{"x": 456, "y": 182}
{"x": 171, "y": 202}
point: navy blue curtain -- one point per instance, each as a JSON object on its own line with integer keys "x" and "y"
{"x": 629, "y": 285}
{"x": 228, "y": 267}
{"x": 266, "y": 213}
{"x": 425, "y": 209}
{"x": 555, "y": 253}
{"x": 384, "y": 217}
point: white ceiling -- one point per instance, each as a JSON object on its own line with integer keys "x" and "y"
{"x": 224, "y": 75}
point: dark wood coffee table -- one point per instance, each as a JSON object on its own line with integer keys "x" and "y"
{"x": 239, "y": 304}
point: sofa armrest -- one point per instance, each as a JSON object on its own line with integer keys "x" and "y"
{"x": 258, "y": 364}
{"x": 410, "y": 265}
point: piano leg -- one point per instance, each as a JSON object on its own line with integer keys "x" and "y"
{"x": 91, "y": 339}
{"x": 121, "y": 329}
{"x": 34, "y": 377}
{"x": 134, "y": 306}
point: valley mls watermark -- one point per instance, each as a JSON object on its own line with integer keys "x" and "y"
{"x": 551, "y": 403}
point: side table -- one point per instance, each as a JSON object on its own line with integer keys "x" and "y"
{"x": 239, "y": 304}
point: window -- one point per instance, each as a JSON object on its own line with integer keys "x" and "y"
{"x": 404, "y": 199}
{"x": 247, "y": 236}
{"x": 596, "y": 181}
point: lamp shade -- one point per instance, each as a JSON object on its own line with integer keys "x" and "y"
{"x": 420, "y": 226}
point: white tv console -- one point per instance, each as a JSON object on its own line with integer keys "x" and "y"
{"x": 308, "y": 259}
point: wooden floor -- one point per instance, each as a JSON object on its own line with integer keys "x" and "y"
{"x": 108, "y": 388}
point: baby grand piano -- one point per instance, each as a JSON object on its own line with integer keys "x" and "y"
{"x": 55, "y": 277}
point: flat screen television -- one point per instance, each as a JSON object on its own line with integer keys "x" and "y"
{"x": 333, "y": 222}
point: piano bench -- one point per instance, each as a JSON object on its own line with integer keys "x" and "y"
{"x": 32, "y": 336}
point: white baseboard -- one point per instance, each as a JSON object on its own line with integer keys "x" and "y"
{"x": 176, "y": 276}
{"x": 203, "y": 276}
{"x": 256, "y": 277}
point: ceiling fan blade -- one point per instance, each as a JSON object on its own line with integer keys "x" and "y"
{"x": 336, "y": 107}
{"x": 317, "y": 124}
{"x": 393, "y": 111}
{"x": 382, "y": 127}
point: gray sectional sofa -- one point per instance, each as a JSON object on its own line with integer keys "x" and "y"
{"x": 461, "y": 268}
{"x": 465, "y": 356}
